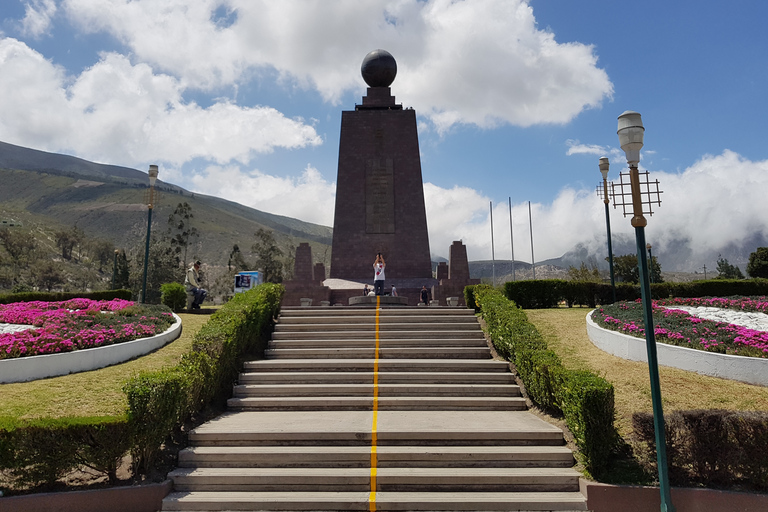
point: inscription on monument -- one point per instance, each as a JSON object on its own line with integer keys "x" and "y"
{"x": 379, "y": 196}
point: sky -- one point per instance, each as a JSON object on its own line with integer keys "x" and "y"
{"x": 515, "y": 100}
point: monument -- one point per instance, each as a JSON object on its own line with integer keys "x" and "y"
{"x": 379, "y": 191}
{"x": 379, "y": 207}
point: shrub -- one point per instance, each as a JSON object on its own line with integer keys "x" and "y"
{"x": 469, "y": 295}
{"x": 585, "y": 399}
{"x": 159, "y": 402}
{"x": 587, "y": 402}
{"x": 174, "y": 295}
{"x": 538, "y": 294}
{"x": 41, "y": 451}
{"x": 715, "y": 448}
{"x": 38, "y": 452}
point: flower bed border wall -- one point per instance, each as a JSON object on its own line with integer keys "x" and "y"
{"x": 751, "y": 370}
{"x": 24, "y": 369}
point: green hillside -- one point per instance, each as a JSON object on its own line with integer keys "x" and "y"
{"x": 112, "y": 209}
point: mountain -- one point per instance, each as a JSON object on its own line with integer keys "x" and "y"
{"x": 108, "y": 201}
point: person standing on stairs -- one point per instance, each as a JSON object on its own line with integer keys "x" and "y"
{"x": 378, "y": 278}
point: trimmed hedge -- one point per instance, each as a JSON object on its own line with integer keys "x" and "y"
{"x": 38, "y": 452}
{"x": 174, "y": 295}
{"x": 547, "y": 293}
{"x": 10, "y": 298}
{"x": 585, "y": 399}
{"x": 159, "y": 402}
{"x": 715, "y": 448}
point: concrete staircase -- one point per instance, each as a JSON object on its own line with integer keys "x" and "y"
{"x": 404, "y": 402}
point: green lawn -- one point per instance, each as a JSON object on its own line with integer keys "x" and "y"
{"x": 565, "y": 331}
{"x": 94, "y": 393}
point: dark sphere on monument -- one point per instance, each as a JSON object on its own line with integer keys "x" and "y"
{"x": 379, "y": 68}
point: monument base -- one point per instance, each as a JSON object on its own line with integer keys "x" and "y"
{"x": 385, "y": 300}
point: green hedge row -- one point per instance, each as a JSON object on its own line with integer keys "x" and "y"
{"x": 585, "y": 399}
{"x": 714, "y": 448}
{"x": 160, "y": 401}
{"x": 10, "y": 298}
{"x": 547, "y": 293}
{"x": 38, "y": 452}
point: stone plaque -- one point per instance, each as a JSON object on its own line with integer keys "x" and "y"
{"x": 379, "y": 196}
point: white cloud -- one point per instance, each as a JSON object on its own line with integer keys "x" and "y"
{"x": 37, "y": 17}
{"x": 718, "y": 201}
{"x": 307, "y": 197}
{"x": 576, "y": 148}
{"x": 125, "y": 114}
{"x": 481, "y": 62}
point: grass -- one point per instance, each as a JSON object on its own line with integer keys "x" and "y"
{"x": 94, "y": 393}
{"x": 565, "y": 331}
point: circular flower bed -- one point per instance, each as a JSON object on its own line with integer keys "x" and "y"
{"x": 78, "y": 324}
{"x": 677, "y": 327}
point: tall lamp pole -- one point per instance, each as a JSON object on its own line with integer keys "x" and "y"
{"x": 650, "y": 261}
{"x": 604, "y": 171}
{"x": 630, "y": 133}
{"x": 152, "y": 178}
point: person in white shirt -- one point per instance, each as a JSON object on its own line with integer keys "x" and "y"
{"x": 192, "y": 284}
{"x": 378, "y": 278}
{"x": 394, "y": 291}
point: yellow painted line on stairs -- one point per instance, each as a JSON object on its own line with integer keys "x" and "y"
{"x": 374, "y": 461}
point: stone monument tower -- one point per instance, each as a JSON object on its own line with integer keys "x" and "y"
{"x": 379, "y": 192}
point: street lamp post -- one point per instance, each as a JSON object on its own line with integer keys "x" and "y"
{"x": 604, "y": 171}
{"x": 114, "y": 269}
{"x": 152, "y": 178}
{"x": 631, "y": 133}
{"x": 650, "y": 261}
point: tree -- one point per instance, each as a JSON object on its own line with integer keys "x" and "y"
{"x": 268, "y": 256}
{"x": 19, "y": 244}
{"x": 123, "y": 278}
{"x": 758, "y": 263}
{"x": 655, "y": 270}
{"x": 237, "y": 260}
{"x": 162, "y": 268}
{"x": 64, "y": 242}
{"x": 48, "y": 275}
{"x": 181, "y": 231}
{"x": 726, "y": 270}
{"x": 584, "y": 274}
{"x": 625, "y": 268}
{"x": 101, "y": 251}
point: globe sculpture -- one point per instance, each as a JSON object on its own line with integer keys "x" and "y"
{"x": 379, "y": 68}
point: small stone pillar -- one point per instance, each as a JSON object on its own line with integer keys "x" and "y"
{"x": 302, "y": 265}
{"x": 319, "y": 272}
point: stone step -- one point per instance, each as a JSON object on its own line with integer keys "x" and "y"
{"x": 354, "y": 428}
{"x": 386, "y": 403}
{"x": 366, "y": 390}
{"x": 384, "y": 353}
{"x": 387, "y": 334}
{"x": 384, "y": 366}
{"x": 400, "y": 479}
{"x": 384, "y": 320}
{"x": 383, "y": 327}
{"x": 384, "y": 501}
{"x": 419, "y": 311}
{"x": 383, "y": 342}
{"x": 386, "y": 456}
{"x": 262, "y": 377}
